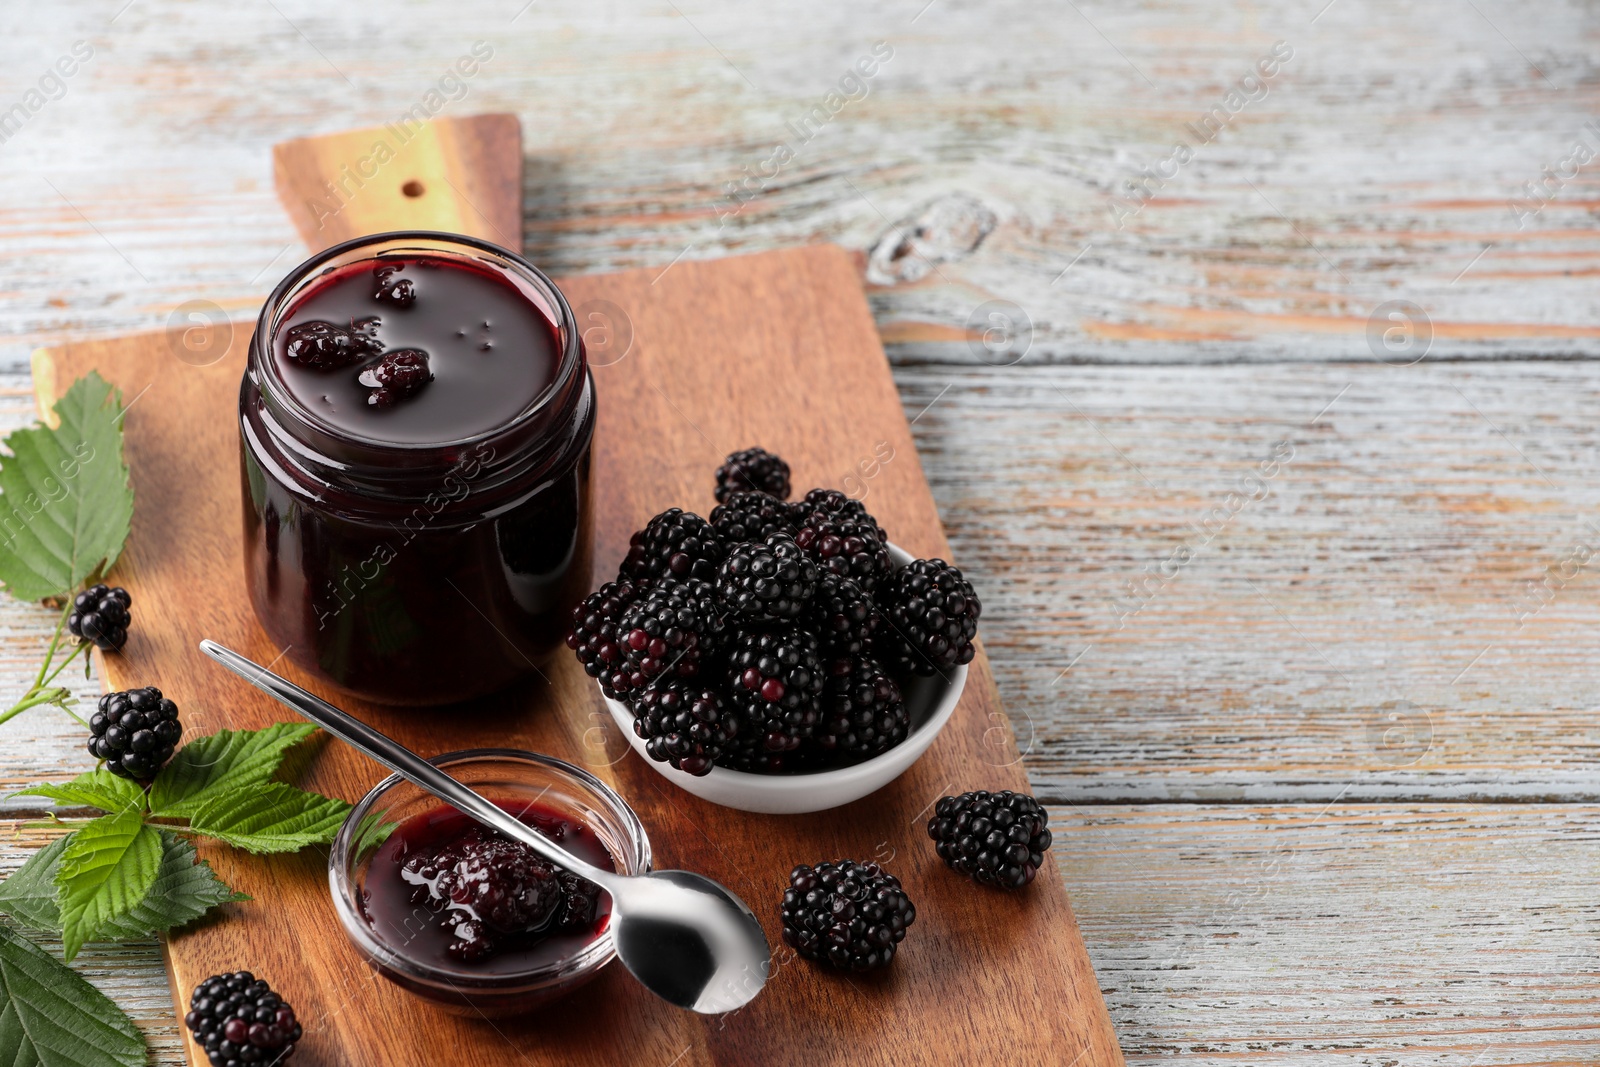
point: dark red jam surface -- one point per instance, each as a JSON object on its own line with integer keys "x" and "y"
{"x": 447, "y": 892}
{"x": 415, "y": 351}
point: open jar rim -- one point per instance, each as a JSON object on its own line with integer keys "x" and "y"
{"x": 325, "y": 453}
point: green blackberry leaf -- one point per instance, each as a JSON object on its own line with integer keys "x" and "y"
{"x": 185, "y": 889}
{"x": 51, "y": 1017}
{"x": 95, "y": 789}
{"x": 271, "y": 818}
{"x": 106, "y": 869}
{"x": 29, "y": 895}
{"x": 221, "y": 764}
{"x": 65, "y": 501}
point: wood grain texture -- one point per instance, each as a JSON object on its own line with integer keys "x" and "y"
{"x": 458, "y": 175}
{"x": 1378, "y": 166}
{"x": 717, "y": 362}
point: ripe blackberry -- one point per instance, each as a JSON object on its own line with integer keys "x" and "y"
{"x": 751, "y": 516}
{"x": 996, "y": 839}
{"x": 753, "y": 468}
{"x": 844, "y": 617}
{"x": 135, "y": 732}
{"x": 767, "y": 581}
{"x": 594, "y": 635}
{"x": 863, "y": 711}
{"x": 835, "y": 505}
{"x": 930, "y": 618}
{"x": 845, "y": 547}
{"x": 673, "y": 629}
{"x": 328, "y": 346}
{"x": 684, "y": 724}
{"x": 100, "y": 614}
{"x": 397, "y": 375}
{"x": 239, "y": 1020}
{"x": 778, "y": 678}
{"x": 392, "y": 289}
{"x": 851, "y": 915}
{"x": 674, "y": 544}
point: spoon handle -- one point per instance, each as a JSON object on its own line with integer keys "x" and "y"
{"x": 401, "y": 760}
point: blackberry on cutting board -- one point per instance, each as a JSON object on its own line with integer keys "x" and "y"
{"x": 672, "y": 630}
{"x": 674, "y": 544}
{"x": 851, "y": 915}
{"x": 844, "y": 616}
{"x": 594, "y": 637}
{"x": 930, "y": 615}
{"x": 864, "y": 713}
{"x": 753, "y": 468}
{"x": 995, "y": 839}
{"x": 684, "y": 723}
{"x": 135, "y": 731}
{"x": 778, "y": 678}
{"x": 767, "y": 581}
{"x": 751, "y": 516}
{"x": 239, "y": 1020}
{"x": 100, "y": 614}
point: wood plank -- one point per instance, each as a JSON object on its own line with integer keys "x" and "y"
{"x": 1275, "y": 243}
{"x": 1354, "y": 935}
{"x": 1381, "y": 585}
{"x": 693, "y": 380}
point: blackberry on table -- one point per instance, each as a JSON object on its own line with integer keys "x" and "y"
{"x": 833, "y": 504}
{"x": 239, "y": 1020}
{"x": 767, "y": 581}
{"x": 863, "y": 711}
{"x": 844, "y": 616}
{"x": 674, "y": 544}
{"x": 672, "y": 630}
{"x": 751, "y": 516}
{"x": 930, "y": 617}
{"x": 847, "y": 914}
{"x": 328, "y": 346}
{"x": 845, "y": 547}
{"x": 594, "y": 637}
{"x": 995, "y": 839}
{"x": 395, "y": 376}
{"x": 753, "y": 468}
{"x": 100, "y": 614}
{"x": 135, "y": 731}
{"x": 778, "y": 678}
{"x": 686, "y": 724}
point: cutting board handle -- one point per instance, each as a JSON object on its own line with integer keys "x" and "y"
{"x": 458, "y": 175}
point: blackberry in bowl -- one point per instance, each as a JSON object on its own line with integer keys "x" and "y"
{"x": 856, "y": 743}
{"x": 471, "y": 921}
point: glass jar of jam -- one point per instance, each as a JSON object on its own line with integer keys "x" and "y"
{"x": 415, "y": 424}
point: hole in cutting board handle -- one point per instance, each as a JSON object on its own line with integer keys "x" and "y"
{"x": 413, "y": 188}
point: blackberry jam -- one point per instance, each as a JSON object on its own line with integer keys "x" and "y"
{"x": 415, "y": 420}
{"x": 457, "y": 894}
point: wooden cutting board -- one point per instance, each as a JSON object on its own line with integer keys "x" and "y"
{"x": 693, "y": 361}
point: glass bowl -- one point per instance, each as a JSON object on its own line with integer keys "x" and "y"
{"x": 499, "y": 774}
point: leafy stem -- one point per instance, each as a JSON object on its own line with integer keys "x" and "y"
{"x": 42, "y": 692}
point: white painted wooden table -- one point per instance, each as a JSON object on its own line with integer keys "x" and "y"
{"x": 1321, "y": 759}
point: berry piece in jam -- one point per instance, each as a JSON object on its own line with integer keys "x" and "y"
{"x": 322, "y": 345}
{"x": 446, "y": 890}
{"x": 393, "y": 289}
{"x": 397, "y": 375}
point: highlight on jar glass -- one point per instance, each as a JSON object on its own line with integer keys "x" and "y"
{"x": 415, "y": 419}
{"x": 459, "y": 915}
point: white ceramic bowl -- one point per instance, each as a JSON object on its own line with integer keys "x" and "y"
{"x": 931, "y": 701}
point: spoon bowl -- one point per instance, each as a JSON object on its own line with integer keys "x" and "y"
{"x": 685, "y": 937}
